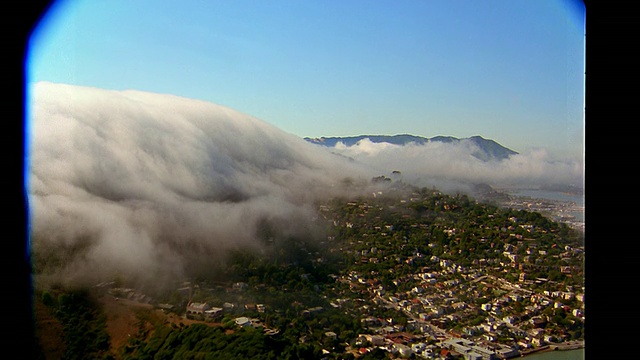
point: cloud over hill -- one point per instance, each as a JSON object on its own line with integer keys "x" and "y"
{"x": 152, "y": 185}
{"x": 449, "y": 165}
{"x": 140, "y": 183}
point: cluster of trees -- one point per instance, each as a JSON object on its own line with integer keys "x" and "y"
{"x": 84, "y": 324}
{"x": 199, "y": 341}
{"x": 480, "y": 233}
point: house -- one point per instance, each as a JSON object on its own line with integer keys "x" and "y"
{"x": 370, "y": 321}
{"x": 491, "y": 337}
{"x": 197, "y": 308}
{"x": 506, "y": 352}
{"x": 375, "y": 340}
{"x": 549, "y": 338}
{"x": 471, "y": 330}
{"x": 537, "y": 341}
{"x": 403, "y": 350}
{"x": 538, "y": 322}
{"x": 557, "y": 305}
{"x": 524, "y": 345}
{"x": 515, "y": 297}
{"x": 212, "y": 313}
{"x": 242, "y": 321}
{"x": 460, "y": 345}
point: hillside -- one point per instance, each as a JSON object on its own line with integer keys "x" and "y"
{"x": 303, "y": 247}
{"x": 414, "y": 265}
{"x": 487, "y": 149}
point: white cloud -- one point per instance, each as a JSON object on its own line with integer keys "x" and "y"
{"x": 145, "y": 179}
{"x": 148, "y": 184}
{"x": 438, "y": 161}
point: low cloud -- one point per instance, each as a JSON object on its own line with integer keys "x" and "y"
{"x": 148, "y": 185}
{"x": 152, "y": 186}
{"x": 446, "y": 164}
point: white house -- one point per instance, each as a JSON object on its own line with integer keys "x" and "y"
{"x": 242, "y": 321}
{"x": 197, "y": 308}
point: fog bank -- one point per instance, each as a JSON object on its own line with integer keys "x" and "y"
{"x": 148, "y": 185}
{"x": 446, "y": 164}
{"x": 154, "y": 186}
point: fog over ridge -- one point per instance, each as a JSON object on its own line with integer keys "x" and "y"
{"x": 445, "y": 164}
{"x": 140, "y": 183}
{"x": 149, "y": 185}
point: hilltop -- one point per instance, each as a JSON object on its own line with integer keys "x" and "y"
{"x": 487, "y": 149}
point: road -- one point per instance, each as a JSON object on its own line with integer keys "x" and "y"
{"x": 436, "y": 332}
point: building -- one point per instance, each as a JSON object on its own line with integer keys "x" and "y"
{"x": 197, "y": 308}
{"x": 506, "y": 352}
{"x": 375, "y": 340}
{"x": 243, "y": 321}
{"x": 404, "y": 350}
{"x": 469, "y": 349}
{"x": 212, "y": 313}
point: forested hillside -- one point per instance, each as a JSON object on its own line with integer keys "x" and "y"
{"x": 411, "y": 263}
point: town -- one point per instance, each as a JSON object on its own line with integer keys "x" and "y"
{"x": 399, "y": 273}
{"x": 402, "y": 273}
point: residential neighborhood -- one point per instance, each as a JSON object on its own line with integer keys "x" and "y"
{"x": 487, "y": 283}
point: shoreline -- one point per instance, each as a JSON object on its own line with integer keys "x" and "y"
{"x": 571, "y": 345}
{"x": 541, "y": 349}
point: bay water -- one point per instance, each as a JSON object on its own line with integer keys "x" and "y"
{"x": 577, "y": 354}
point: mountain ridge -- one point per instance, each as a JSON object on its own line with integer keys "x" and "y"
{"x": 488, "y": 149}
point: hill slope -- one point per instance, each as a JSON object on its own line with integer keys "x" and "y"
{"x": 488, "y": 149}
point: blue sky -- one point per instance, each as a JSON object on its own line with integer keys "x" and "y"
{"x": 511, "y": 71}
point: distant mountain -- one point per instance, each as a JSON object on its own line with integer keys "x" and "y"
{"x": 489, "y": 149}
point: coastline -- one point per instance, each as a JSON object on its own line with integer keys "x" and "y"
{"x": 537, "y": 350}
{"x": 570, "y": 345}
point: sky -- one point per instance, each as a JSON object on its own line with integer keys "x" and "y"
{"x": 510, "y": 71}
